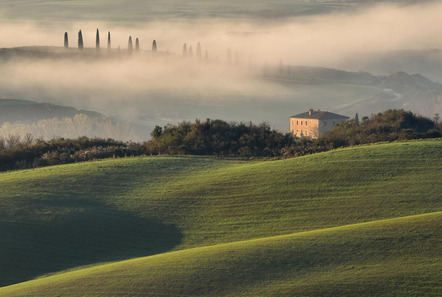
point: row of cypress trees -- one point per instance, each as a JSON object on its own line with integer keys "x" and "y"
{"x": 109, "y": 42}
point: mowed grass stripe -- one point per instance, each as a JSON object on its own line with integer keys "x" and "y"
{"x": 395, "y": 257}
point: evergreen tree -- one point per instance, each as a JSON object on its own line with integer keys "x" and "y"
{"x": 109, "y": 45}
{"x": 137, "y": 44}
{"x": 357, "y": 119}
{"x": 66, "y": 40}
{"x": 130, "y": 46}
{"x": 190, "y": 52}
{"x": 265, "y": 69}
{"x": 97, "y": 40}
{"x": 154, "y": 46}
{"x": 185, "y": 50}
{"x": 80, "y": 40}
{"x": 198, "y": 51}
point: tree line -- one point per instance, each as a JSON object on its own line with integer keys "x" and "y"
{"x": 217, "y": 138}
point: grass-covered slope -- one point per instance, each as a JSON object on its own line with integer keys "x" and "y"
{"x": 396, "y": 257}
{"x": 61, "y": 217}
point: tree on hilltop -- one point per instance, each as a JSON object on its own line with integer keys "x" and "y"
{"x": 97, "y": 40}
{"x": 80, "y": 40}
{"x": 190, "y": 52}
{"x": 185, "y": 50}
{"x": 137, "y": 44}
{"x": 109, "y": 40}
{"x": 130, "y": 46}
{"x": 198, "y": 51}
{"x": 66, "y": 40}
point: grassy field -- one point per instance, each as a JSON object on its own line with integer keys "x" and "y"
{"x": 397, "y": 257}
{"x": 214, "y": 222}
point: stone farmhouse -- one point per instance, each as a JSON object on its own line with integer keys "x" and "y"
{"x": 314, "y": 123}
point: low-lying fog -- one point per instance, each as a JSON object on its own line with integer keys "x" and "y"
{"x": 155, "y": 89}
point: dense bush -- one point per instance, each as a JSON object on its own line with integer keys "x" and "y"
{"x": 17, "y": 153}
{"x": 216, "y": 137}
{"x": 390, "y": 125}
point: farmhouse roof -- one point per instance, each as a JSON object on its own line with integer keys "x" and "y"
{"x": 321, "y": 115}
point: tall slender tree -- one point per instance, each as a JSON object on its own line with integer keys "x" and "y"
{"x": 109, "y": 44}
{"x": 154, "y": 46}
{"x": 190, "y": 52}
{"x": 198, "y": 51}
{"x": 80, "y": 40}
{"x": 185, "y": 50}
{"x": 130, "y": 46}
{"x": 97, "y": 40}
{"x": 66, "y": 40}
{"x": 137, "y": 44}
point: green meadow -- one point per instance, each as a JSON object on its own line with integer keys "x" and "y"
{"x": 363, "y": 220}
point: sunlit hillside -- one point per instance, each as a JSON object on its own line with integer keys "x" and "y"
{"x": 63, "y": 217}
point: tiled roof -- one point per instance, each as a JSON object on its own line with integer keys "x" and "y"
{"x": 321, "y": 115}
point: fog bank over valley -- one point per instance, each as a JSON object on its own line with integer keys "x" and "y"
{"x": 247, "y": 68}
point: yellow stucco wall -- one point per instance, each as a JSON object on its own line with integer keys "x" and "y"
{"x": 312, "y": 128}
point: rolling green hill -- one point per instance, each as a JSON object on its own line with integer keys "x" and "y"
{"x": 62, "y": 217}
{"x": 386, "y": 258}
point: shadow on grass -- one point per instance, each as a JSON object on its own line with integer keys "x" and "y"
{"x": 89, "y": 234}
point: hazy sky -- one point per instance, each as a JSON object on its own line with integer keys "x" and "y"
{"x": 166, "y": 90}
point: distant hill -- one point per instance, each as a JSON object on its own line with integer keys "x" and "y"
{"x": 48, "y": 121}
{"x": 395, "y": 90}
{"x": 358, "y": 220}
{"x": 26, "y": 111}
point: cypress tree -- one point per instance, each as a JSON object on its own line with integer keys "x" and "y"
{"x": 80, "y": 40}
{"x": 198, "y": 51}
{"x": 109, "y": 45}
{"x": 97, "y": 40}
{"x": 190, "y": 52}
{"x": 129, "y": 45}
{"x": 66, "y": 40}
{"x": 154, "y": 46}
{"x": 357, "y": 119}
{"x": 185, "y": 50}
{"x": 137, "y": 44}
